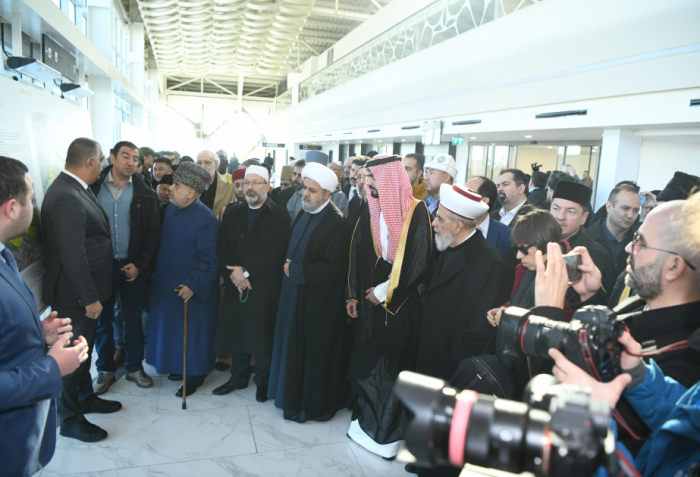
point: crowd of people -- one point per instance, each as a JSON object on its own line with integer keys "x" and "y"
{"x": 326, "y": 287}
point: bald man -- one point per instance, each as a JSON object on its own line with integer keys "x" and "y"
{"x": 219, "y": 191}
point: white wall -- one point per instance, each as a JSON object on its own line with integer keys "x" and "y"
{"x": 660, "y": 160}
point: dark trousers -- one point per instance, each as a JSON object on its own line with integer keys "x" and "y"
{"x": 241, "y": 370}
{"x": 76, "y": 387}
{"x": 130, "y": 296}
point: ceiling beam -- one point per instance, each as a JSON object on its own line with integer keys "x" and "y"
{"x": 328, "y": 35}
{"x": 318, "y": 23}
{"x": 341, "y": 13}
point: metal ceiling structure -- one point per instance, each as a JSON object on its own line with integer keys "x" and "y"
{"x": 210, "y": 46}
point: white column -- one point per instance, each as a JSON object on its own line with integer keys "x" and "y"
{"x": 240, "y": 93}
{"x": 619, "y": 161}
{"x": 16, "y": 29}
{"x": 461, "y": 159}
{"x": 136, "y": 57}
{"x": 100, "y": 27}
{"x": 102, "y": 111}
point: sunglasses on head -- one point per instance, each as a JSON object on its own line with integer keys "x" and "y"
{"x": 521, "y": 248}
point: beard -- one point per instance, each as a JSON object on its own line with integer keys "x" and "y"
{"x": 254, "y": 199}
{"x": 443, "y": 240}
{"x": 646, "y": 281}
{"x": 309, "y": 206}
{"x": 374, "y": 192}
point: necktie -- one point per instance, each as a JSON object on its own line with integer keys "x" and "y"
{"x": 10, "y": 260}
{"x": 92, "y": 194}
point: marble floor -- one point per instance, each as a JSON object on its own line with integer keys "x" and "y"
{"x": 231, "y": 435}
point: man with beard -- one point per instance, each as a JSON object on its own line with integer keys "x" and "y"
{"x": 390, "y": 260}
{"x": 283, "y": 197}
{"x": 414, "y": 164}
{"x": 616, "y": 231}
{"x": 468, "y": 280}
{"x": 238, "y": 177}
{"x": 186, "y": 259}
{"x": 570, "y": 202}
{"x": 512, "y": 194}
{"x": 294, "y": 206}
{"x": 285, "y": 181}
{"x": 357, "y": 200}
{"x": 347, "y": 167}
{"x": 442, "y": 170}
{"x": 354, "y": 199}
{"x": 307, "y": 378}
{"x": 218, "y": 192}
{"x": 251, "y": 245}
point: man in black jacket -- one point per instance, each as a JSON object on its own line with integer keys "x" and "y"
{"x": 537, "y": 195}
{"x": 134, "y": 223}
{"x": 78, "y": 276}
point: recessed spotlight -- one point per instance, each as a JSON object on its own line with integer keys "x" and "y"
{"x": 603, "y": 134}
{"x": 549, "y": 147}
{"x": 403, "y": 140}
{"x": 472, "y": 137}
{"x": 528, "y": 137}
{"x": 347, "y": 142}
{"x": 323, "y": 143}
{"x": 380, "y": 140}
{"x": 313, "y": 143}
{"x": 360, "y": 142}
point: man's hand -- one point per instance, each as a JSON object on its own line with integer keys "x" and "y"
{"x": 551, "y": 284}
{"x": 286, "y": 267}
{"x": 370, "y": 296}
{"x": 69, "y": 359}
{"x": 236, "y": 274}
{"x": 245, "y": 284}
{"x": 185, "y": 293}
{"x": 131, "y": 272}
{"x": 54, "y": 328}
{"x": 591, "y": 279}
{"x": 93, "y": 310}
{"x": 352, "y": 308}
{"x": 568, "y": 373}
{"x": 627, "y": 359}
{"x": 494, "y": 316}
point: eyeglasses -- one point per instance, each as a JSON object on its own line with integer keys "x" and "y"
{"x": 638, "y": 246}
{"x": 253, "y": 183}
{"x": 521, "y": 248}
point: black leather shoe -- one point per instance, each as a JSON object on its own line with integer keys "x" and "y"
{"x": 191, "y": 389}
{"x": 226, "y": 388}
{"x": 174, "y": 377}
{"x": 219, "y": 366}
{"x": 84, "y": 431}
{"x": 261, "y": 394}
{"x": 95, "y": 405}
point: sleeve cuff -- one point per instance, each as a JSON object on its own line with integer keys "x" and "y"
{"x": 296, "y": 274}
{"x": 381, "y": 291}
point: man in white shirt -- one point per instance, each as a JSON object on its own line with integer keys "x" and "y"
{"x": 493, "y": 230}
{"x": 512, "y": 194}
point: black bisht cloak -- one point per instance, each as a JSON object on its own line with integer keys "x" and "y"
{"x": 249, "y": 326}
{"x": 385, "y": 339}
{"x": 315, "y": 381}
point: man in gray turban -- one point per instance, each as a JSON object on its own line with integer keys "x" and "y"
{"x": 186, "y": 258}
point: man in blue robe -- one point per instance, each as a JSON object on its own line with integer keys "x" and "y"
{"x": 310, "y": 353}
{"x": 187, "y": 258}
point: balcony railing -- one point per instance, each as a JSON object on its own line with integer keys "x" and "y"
{"x": 436, "y": 23}
{"x": 284, "y": 100}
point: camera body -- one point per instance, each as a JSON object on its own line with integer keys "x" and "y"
{"x": 589, "y": 340}
{"x": 559, "y": 429}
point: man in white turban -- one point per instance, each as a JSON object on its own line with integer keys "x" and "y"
{"x": 308, "y": 378}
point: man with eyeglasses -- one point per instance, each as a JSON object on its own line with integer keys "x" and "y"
{"x": 218, "y": 191}
{"x": 251, "y": 248}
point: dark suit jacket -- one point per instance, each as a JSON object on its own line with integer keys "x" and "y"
{"x": 597, "y": 234}
{"x": 346, "y": 190}
{"x": 527, "y": 207}
{"x": 537, "y": 197}
{"x": 77, "y": 246}
{"x": 29, "y": 381}
{"x": 499, "y": 236}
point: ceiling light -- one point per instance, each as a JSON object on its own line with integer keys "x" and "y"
{"x": 346, "y": 142}
{"x": 472, "y": 137}
{"x": 528, "y": 137}
{"x": 313, "y": 143}
{"x": 34, "y": 68}
{"x": 403, "y": 140}
{"x": 360, "y": 142}
{"x": 380, "y": 140}
{"x": 76, "y": 90}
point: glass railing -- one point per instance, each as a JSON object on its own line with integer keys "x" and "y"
{"x": 284, "y": 100}
{"x": 436, "y": 23}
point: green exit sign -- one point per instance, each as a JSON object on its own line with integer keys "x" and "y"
{"x": 457, "y": 141}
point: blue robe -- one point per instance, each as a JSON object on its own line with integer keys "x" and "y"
{"x": 186, "y": 256}
{"x": 296, "y": 252}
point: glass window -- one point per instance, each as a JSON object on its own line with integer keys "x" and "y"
{"x": 477, "y": 161}
{"x": 57, "y": 3}
{"x": 83, "y": 25}
{"x": 71, "y": 12}
{"x": 500, "y": 160}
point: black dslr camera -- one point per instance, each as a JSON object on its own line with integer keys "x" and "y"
{"x": 558, "y": 430}
{"x": 535, "y": 167}
{"x": 589, "y": 340}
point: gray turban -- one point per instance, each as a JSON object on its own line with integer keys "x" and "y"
{"x": 192, "y": 175}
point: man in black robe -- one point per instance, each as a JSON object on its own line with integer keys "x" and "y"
{"x": 309, "y": 365}
{"x": 390, "y": 260}
{"x": 570, "y": 206}
{"x": 251, "y": 244}
{"x": 468, "y": 280}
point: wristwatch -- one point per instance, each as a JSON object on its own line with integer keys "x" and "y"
{"x": 245, "y": 272}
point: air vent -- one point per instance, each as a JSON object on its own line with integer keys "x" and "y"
{"x": 328, "y": 135}
{"x": 464, "y": 123}
{"x": 560, "y": 114}
{"x": 373, "y": 130}
{"x": 347, "y": 133}
{"x": 410, "y": 127}
{"x": 694, "y": 102}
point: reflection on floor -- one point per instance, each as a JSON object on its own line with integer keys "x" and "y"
{"x": 215, "y": 436}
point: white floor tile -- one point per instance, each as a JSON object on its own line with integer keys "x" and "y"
{"x": 135, "y": 400}
{"x": 373, "y": 465}
{"x": 137, "y": 441}
{"x": 132, "y": 472}
{"x": 203, "y": 398}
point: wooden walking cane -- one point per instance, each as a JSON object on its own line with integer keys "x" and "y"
{"x": 184, "y": 359}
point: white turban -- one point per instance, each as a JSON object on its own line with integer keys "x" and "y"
{"x": 257, "y": 170}
{"x": 462, "y": 201}
{"x": 325, "y": 177}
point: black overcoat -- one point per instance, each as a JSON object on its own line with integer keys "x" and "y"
{"x": 467, "y": 281}
{"x": 249, "y": 326}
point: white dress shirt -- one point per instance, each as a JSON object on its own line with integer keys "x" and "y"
{"x": 507, "y": 217}
{"x": 484, "y": 226}
{"x": 381, "y": 290}
{"x": 80, "y": 181}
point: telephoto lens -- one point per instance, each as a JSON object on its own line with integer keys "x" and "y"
{"x": 589, "y": 340}
{"x": 561, "y": 430}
